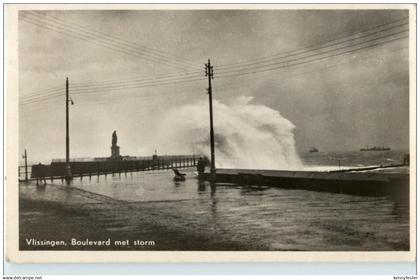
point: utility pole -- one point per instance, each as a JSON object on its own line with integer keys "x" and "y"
{"x": 25, "y": 156}
{"x": 209, "y": 74}
{"x": 68, "y": 168}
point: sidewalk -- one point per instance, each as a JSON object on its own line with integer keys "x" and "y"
{"x": 59, "y": 213}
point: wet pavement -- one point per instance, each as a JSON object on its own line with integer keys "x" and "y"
{"x": 190, "y": 216}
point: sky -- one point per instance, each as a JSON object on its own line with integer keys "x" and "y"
{"x": 341, "y": 103}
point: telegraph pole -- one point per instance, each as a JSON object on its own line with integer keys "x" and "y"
{"x": 25, "y": 156}
{"x": 68, "y": 168}
{"x": 209, "y": 74}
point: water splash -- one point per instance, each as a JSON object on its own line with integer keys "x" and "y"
{"x": 246, "y": 135}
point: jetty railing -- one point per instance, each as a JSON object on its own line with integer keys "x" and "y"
{"x": 81, "y": 167}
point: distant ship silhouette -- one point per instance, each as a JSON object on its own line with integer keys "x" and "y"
{"x": 313, "y": 150}
{"x": 376, "y": 149}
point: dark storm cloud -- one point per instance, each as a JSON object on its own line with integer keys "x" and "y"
{"x": 340, "y": 104}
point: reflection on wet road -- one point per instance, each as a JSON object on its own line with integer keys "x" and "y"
{"x": 267, "y": 218}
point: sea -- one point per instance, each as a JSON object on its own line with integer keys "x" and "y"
{"x": 269, "y": 218}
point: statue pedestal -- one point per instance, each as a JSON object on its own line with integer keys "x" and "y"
{"x": 115, "y": 151}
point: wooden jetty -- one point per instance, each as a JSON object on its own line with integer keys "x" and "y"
{"x": 357, "y": 183}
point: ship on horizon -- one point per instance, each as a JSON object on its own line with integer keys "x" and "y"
{"x": 375, "y": 148}
{"x": 313, "y": 150}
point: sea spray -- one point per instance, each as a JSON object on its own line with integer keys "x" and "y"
{"x": 246, "y": 135}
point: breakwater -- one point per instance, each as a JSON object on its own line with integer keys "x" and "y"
{"x": 357, "y": 183}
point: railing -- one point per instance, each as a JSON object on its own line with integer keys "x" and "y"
{"x": 22, "y": 174}
{"x": 101, "y": 166}
{"x": 90, "y": 159}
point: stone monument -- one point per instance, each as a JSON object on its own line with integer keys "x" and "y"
{"x": 115, "y": 150}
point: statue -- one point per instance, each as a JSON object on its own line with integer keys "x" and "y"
{"x": 114, "y": 138}
{"x": 115, "y": 150}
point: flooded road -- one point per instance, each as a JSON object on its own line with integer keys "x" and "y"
{"x": 256, "y": 218}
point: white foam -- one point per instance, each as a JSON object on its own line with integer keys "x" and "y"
{"x": 246, "y": 135}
